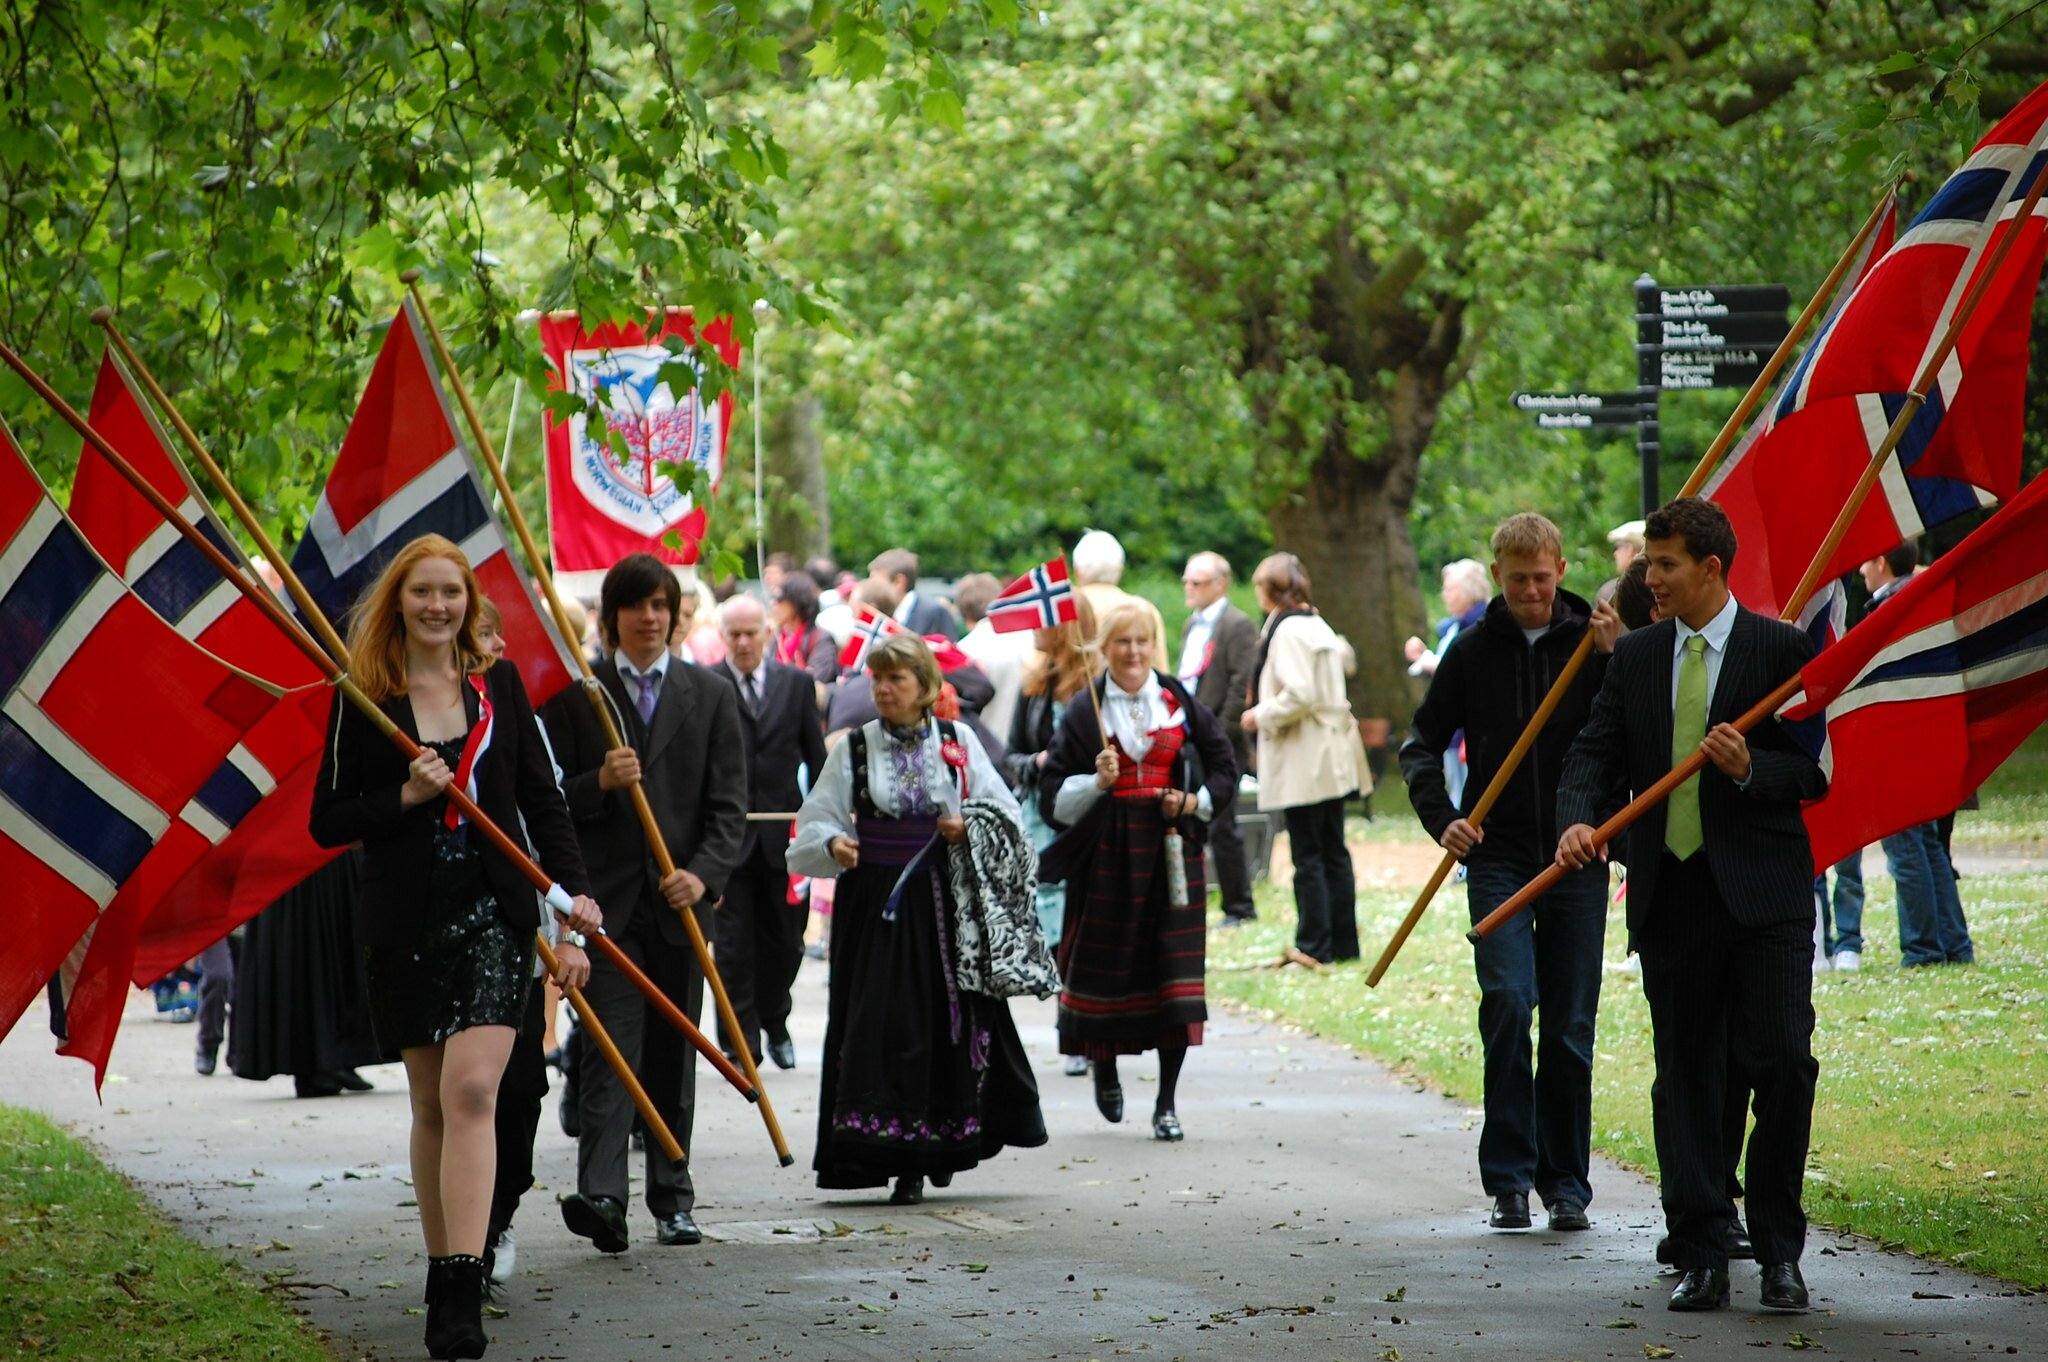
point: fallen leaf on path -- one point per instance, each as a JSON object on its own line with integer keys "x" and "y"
{"x": 1397, "y": 1295}
{"x": 1801, "y": 1342}
{"x": 1654, "y": 1350}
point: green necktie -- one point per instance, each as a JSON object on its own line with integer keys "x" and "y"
{"x": 1688, "y": 728}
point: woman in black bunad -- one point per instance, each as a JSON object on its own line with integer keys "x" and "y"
{"x": 1135, "y": 813}
{"x": 446, "y": 921}
{"x": 922, "y": 1079}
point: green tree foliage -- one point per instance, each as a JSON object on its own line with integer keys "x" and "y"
{"x": 243, "y": 182}
{"x": 1196, "y": 261}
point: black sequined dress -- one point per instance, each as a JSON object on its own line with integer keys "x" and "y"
{"x": 465, "y": 969}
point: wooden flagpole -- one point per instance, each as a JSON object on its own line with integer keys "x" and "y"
{"x": 337, "y": 676}
{"x": 1730, "y": 430}
{"x": 1810, "y": 582}
{"x": 594, "y": 692}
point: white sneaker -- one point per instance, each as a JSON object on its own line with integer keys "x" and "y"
{"x": 507, "y": 1255}
{"x": 1821, "y": 964}
{"x": 1848, "y": 962}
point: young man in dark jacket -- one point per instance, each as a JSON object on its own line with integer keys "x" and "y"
{"x": 1489, "y": 683}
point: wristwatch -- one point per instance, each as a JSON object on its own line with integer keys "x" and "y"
{"x": 576, "y": 939}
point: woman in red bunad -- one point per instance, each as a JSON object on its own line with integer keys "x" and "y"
{"x": 1134, "y": 812}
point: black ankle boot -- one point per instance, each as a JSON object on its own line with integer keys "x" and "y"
{"x": 436, "y": 1297}
{"x": 460, "y": 1298}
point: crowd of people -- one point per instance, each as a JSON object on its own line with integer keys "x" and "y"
{"x": 982, "y": 815}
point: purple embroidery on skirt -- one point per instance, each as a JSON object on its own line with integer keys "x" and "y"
{"x": 895, "y": 1128}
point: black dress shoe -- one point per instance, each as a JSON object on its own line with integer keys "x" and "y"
{"x": 944, "y": 1179}
{"x": 1510, "y": 1211}
{"x": 1737, "y": 1241}
{"x": 1109, "y": 1100}
{"x": 600, "y": 1219}
{"x": 1783, "y": 1288}
{"x": 205, "y": 1062}
{"x": 1701, "y": 1288}
{"x": 1567, "y": 1215}
{"x": 315, "y": 1085}
{"x": 350, "y": 1081}
{"x": 783, "y": 1052}
{"x": 677, "y": 1229}
{"x": 909, "y": 1191}
{"x": 1166, "y": 1126}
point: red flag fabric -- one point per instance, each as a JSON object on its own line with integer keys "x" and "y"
{"x": 599, "y": 508}
{"x": 870, "y": 627}
{"x": 1042, "y": 598}
{"x": 1952, "y": 669}
{"x": 113, "y": 727}
{"x": 248, "y": 856}
{"x": 404, "y": 471}
{"x": 1962, "y": 450}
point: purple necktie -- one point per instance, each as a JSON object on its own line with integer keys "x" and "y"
{"x": 650, "y": 683}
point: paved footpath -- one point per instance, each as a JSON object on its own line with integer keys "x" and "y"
{"x": 1320, "y": 1209}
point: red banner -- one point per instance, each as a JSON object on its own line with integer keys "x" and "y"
{"x": 602, "y": 507}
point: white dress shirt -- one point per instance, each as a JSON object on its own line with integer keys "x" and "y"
{"x": 1195, "y": 647}
{"x": 1716, "y": 634}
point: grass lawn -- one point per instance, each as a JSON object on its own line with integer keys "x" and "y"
{"x": 1933, "y": 1083}
{"x": 89, "y": 1271}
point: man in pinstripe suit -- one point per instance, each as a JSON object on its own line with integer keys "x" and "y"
{"x": 1720, "y": 895}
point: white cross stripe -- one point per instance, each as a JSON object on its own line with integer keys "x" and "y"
{"x": 17, "y": 826}
{"x": 28, "y": 540}
{"x": 65, "y": 640}
{"x": 343, "y": 550}
{"x": 202, "y": 821}
{"x": 253, "y": 770}
{"x": 85, "y": 767}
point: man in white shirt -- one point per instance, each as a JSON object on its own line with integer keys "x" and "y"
{"x": 1218, "y": 649}
{"x": 1001, "y": 657}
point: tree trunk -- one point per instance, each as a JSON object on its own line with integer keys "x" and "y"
{"x": 1349, "y": 527}
{"x": 793, "y": 452}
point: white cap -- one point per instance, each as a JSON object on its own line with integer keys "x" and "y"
{"x": 1628, "y": 532}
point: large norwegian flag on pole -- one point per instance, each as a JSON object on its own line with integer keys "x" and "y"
{"x": 255, "y": 844}
{"x": 1962, "y": 450}
{"x": 602, "y": 506}
{"x": 403, "y": 471}
{"x": 112, "y": 725}
{"x": 1953, "y": 669}
{"x": 1042, "y": 598}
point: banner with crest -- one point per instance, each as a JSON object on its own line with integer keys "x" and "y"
{"x": 605, "y": 502}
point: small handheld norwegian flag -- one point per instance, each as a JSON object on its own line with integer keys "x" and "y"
{"x": 1041, "y": 599}
{"x": 870, "y": 628}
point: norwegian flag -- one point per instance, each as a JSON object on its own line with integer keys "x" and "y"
{"x": 112, "y": 727}
{"x": 1953, "y": 669}
{"x": 247, "y": 831}
{"x": 1962, "y": 450}
{"x": 1042, "y": 598}
{"x": 403, "y": 471}
{"x": 870, "y": 627}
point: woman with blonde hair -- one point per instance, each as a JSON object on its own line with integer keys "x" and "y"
{"x": 1310, "y": 756}
{"x": 1135, "y": 803}
{"x": 446, "y": 920}
{"x": 1063, "y": 666}
{"x": 922, "y": 1079}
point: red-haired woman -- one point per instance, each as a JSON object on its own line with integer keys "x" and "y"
{"x": 446, "y": 921}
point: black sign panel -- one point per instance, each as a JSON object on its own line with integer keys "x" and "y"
{"x": 1680, "y": 370}
{"x": 1577, "y": 401}
{"x": 1721, "y": 300}
{"x": 1736, "y": 329}
{"x": 1583, "y": 420}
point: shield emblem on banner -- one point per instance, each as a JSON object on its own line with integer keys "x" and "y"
{"x": 656, "y": 427}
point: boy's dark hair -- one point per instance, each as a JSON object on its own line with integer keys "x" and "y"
{"x": 631, "y": 580}
{"x": 823, "y": 572}
{"x": 1903, "y": 559}
{"x": 1632, "y": 598}
{"x": 1700, "y": 523}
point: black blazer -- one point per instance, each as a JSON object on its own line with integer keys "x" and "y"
{"x": 356, "y": 799}
{"x": 786, "y": 735}
{"x": 694, "y": 768}
{"x": 1226, "y": 678}
{"x": 1756, "y": 844}
{"x": 1205, "y": 762}
{"x": 929, "y": 615}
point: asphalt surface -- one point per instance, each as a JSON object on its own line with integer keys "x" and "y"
{"x": 1320, "y": 1208}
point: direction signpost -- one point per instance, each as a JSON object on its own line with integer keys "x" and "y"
{"x": 1702, "y": 336}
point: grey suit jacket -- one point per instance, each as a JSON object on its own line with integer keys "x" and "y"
{"x": 1756, "y": 845}
{"x": 694, "y": 767}
{"x": 1226, "y": 676}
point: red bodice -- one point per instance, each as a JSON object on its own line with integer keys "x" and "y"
{"x": 1149, "y": 778}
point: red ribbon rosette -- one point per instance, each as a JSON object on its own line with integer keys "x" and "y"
{"x": 954, "y": 753}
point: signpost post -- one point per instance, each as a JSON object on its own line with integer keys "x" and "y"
{"x": 1703, "y": 336}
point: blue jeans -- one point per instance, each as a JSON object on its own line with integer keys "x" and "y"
{"x": 1931, "y": 926}
{"x": 1539, "y": 1120}
{"x": 1842, "y": 929}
